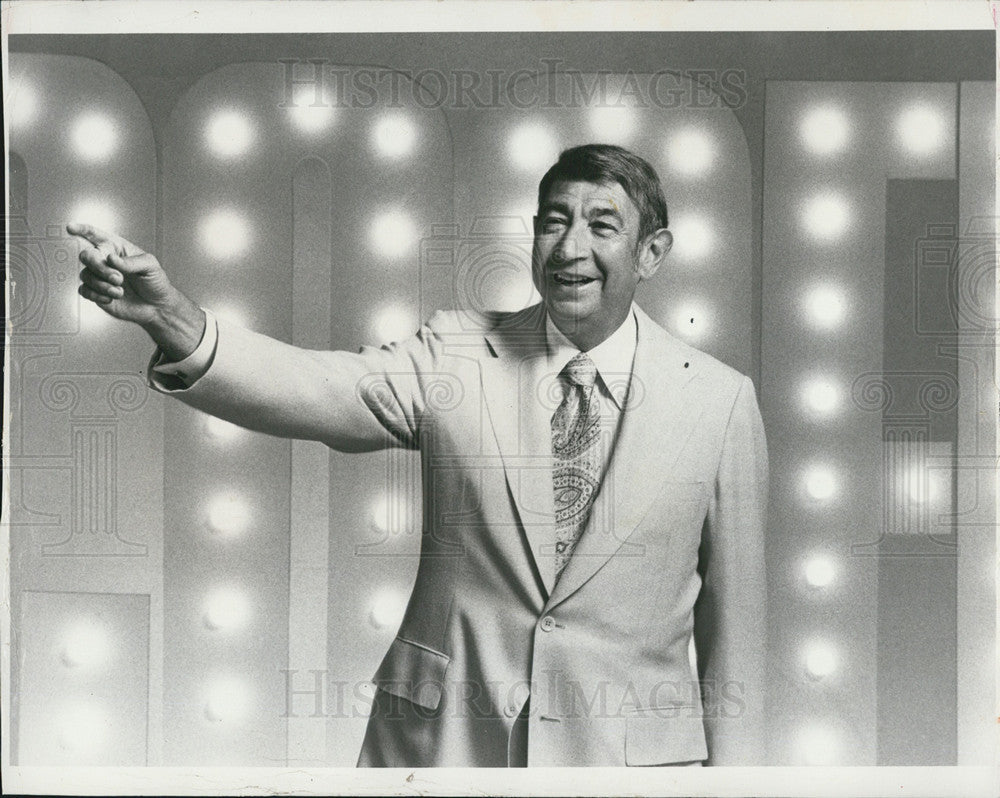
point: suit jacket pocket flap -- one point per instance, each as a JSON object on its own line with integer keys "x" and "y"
{"x": 413, "y": 671}
{"x": 662, "y": 735}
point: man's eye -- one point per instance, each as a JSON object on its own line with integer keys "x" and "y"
{"x": 603, "y": 228}
{"x": 553, "y": 223}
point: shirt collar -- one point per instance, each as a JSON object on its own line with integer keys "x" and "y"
{"x": 613, "y": 356}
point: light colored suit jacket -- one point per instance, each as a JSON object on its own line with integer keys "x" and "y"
{"x": 674, "y": 544}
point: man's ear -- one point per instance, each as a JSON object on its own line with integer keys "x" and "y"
{"x": 653, "y": 252}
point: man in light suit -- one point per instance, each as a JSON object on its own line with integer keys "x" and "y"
{"x": 594, "y": 493}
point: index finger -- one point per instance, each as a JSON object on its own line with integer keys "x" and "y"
{"x": 95, "y": 235}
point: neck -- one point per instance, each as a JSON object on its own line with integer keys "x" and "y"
{"x": 585, "y": 337}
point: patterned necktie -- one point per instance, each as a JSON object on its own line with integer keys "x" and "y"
{"x": 576, "y": 428}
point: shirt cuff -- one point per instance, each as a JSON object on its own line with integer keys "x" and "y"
{"x": 166, "y": 375}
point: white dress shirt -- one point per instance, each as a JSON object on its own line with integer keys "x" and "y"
{"x": 613, "y": 358}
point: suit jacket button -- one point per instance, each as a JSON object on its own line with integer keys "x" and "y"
{"x": 548, "y": 623}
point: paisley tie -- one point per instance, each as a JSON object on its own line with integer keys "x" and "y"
{"x": 576, "y": 444}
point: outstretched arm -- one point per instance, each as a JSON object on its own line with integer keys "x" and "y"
{"x": 350, "y": 401}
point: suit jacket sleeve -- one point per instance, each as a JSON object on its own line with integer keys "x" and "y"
{"x": 730, "y": 614}
{"x": 351, "y": 401}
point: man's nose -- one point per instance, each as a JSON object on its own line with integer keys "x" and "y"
{"x": 570, "y": 247}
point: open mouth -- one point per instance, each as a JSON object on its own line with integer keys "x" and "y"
{"x": 571, "y": 279}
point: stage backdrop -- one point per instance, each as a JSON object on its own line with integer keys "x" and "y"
{"x": 187, "y": 592}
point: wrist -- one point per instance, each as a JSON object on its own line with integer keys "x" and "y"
{"x": 176, "y": 326}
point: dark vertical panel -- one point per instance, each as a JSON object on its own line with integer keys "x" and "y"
{"x": 917, "y": 574}
{"x": 921, "y": 225}
{"x": 917, "y": 661}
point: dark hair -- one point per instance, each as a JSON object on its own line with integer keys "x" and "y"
{"x": 608, "y": 163}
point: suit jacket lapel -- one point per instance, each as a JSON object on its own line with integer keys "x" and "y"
{"x": 520, "y": 419}
{"x": 651, "y": 434}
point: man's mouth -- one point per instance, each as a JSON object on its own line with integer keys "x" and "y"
{"x": 571, "y": 279}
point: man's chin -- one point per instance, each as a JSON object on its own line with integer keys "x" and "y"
{"x": 567, "y": 310}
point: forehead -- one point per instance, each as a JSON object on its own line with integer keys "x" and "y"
{"x": 589, "y": 196}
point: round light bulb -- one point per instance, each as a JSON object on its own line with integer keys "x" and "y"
{"x": 820, "y": 482}
{"x": 819, "y": 572}
{"x": 225, "y": 234}
{"x": 612, "y": 124}
{"x": 824, "y": 306}
{"x": 392, "y": 323}
{"x": 228, "y": 515}
{"x": 85, "y": 644}
{"x": 393, "y": 234}
{"x": 821, "y": 396}
{"x": 387, "y": 608}
{"x": 824, "y": 130}
{"x": 227, "y": 701}
{"x": 94, "y": 137}
{"x": 820, "y": 659}
{"x": 691, "y": 152}
{"x": 693, "y": 238}
{"x": 532, "y": 146}
{"x": 394, "y": 136}
{"x": 226, "y": 609}
{"x": 229, "y": 133}
{"x": 921, "y": 130}
{"x": 310, "y": 113}
{"x": 826, "y": 217}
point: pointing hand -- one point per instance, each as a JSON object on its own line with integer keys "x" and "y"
{"x": 121, "y": 278}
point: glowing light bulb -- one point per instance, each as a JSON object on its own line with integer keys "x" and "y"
{"x": 394, "y": 136}
{"x": 96, "y": 213}
{"x": 921, "y": 487}
{"x": 921, "y": 130}
{"x": 230, "y": 314}
{"x": 818, "y": 745}
{"x": 220, "y": 430}
{"x": 24, "y": 104}
{"x": 229, "y": 134}
{"x": 821, "y": 396}
{"x": 225, "y": 234}
{"x": 515, "y": 292}
{"x": 824, "y": 306}
{"x": 85, "y": 644}
{"x": 228, "y": 515}
{"x": 226, "y": 609}
{"x": 820, "y": 482}
{"x": 820, "y": 659}
{"x": 819, "y": 571}
{"x": 393, "y": 323}
{"x": 693, "y": 237}
{"x": 612, "y": 124}
{"x": 532, "y": 147}
{"x": 826, "y": 216}
{"x": 692, "y": 321}
{"x": 310, "y": 113}
{"x": 94, "y": 137}
{"x": 81, "y": 729}
{"x": 228, "y": 700}
{"x": 824, "y": 130}
{"x": 387, "y": 608}
{"x": 691, "y": 152}
{"x": 393, "y": 234}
